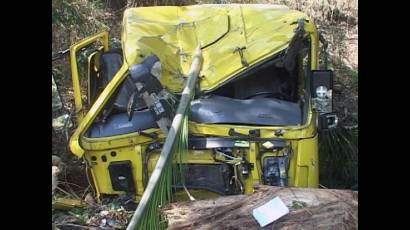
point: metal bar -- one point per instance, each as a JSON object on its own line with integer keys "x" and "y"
{"x": 186, "y": 97}
{"x": 60, "y": 54}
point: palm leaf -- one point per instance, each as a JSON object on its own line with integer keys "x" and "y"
{"x": 338, "y": 156}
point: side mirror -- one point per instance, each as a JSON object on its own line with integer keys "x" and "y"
{"x": 322, "y": 98}
{"x": 321, "y": 90}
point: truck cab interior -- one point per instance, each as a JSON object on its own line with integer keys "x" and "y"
{"x": 266, "y": 95}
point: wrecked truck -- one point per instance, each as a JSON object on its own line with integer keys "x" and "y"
{"x": 259, "y": 102}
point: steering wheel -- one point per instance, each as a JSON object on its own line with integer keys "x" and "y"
{"x": 278, "y": 95}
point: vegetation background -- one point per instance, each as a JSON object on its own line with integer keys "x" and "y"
{"x": 73, "y": 20}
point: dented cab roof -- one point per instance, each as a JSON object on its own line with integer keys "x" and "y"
{"x": 232, "y": 37}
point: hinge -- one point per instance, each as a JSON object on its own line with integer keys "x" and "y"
{"x": 240, "y": 51}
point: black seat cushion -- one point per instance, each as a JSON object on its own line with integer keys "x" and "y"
{"x": 256, "y": 111}
{"x": 118, "y": 124}
{"x": 209, "y": 110}
{"x": 110, "y": 63}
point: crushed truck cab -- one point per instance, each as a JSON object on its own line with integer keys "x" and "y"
{"x": 254, "y": 119}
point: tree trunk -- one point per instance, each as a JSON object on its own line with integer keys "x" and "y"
{"x": 309, "y": 209}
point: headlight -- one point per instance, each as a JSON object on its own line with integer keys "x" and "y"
{"x": 156, "y": 70}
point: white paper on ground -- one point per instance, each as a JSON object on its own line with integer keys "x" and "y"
{"x": 271, "y": 211}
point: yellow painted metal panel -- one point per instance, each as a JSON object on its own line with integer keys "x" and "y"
{"x": 263, "y": 30}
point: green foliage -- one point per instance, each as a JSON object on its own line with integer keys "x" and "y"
{"x": 338, "y": 158}
{"x": 57, "y": 73}
{"x": 79, "y": 17}
{"x": 81, "y": 215}
{"x": 73, "y": 20}
{"x": 298, "y": 204}
{"x": 114, "y": 43}
{"x": 171, "y": 175}
{"x": 355, "y": 77}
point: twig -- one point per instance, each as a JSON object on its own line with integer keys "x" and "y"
{"x": 88, "y": 177}
{"x": 65, "y": 182}
{"x": 85, "y": 191}
{"x": 71, "y": 190}
{"x": 64, "y": 191}
{"x": 322, "y": 186}
{"x": 189, "y": 194}
{"x": 273, "y": 225}
{"x": 73, "y": 225}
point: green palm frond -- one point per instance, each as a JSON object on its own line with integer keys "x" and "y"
{"x": 172, "y": 174}
{"x": 338, "y": 158}
{"x": 168, "y": 174}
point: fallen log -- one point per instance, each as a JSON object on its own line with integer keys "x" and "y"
{"x": 309, "y": 209}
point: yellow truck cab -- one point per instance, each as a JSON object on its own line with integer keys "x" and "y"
{"x": 259, "y": 101}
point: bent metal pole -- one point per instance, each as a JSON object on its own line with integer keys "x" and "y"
{"x": 171, "y": 137}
